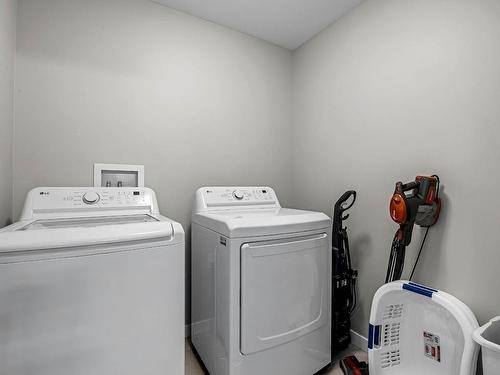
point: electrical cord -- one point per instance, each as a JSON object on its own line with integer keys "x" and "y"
{"x": 419, "y": 253}
{"x": 354, "y": 296}
{"x": 426, "y": 233}
{"x": 352, "y": 280}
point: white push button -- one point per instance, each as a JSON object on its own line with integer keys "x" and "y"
{"x": 91, "y": 197}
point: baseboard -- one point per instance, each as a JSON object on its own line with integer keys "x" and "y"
{"x": 359, "y": 341}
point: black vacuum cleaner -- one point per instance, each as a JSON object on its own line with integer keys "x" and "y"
{"x": 343, "y": 276}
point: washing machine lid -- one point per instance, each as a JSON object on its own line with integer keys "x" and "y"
{"x": 87, "y": 222}
{"x": 32, "y": 236}
{"x": 55, "y": 218}
{"x": 261, "y": 222}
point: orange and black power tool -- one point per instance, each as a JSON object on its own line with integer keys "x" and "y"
{"x": 413, "y": 203}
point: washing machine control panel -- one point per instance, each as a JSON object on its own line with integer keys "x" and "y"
{"x": 70, "y": 199}
{"x": 217, "y": 197}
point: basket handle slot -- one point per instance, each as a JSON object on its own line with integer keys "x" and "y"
{"x": 374, "y": 336}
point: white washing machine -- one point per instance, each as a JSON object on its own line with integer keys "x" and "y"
{"x": 261, "y": 277}
{"x": 92, "y": 282}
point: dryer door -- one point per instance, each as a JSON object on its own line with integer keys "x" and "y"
{"x": 284, "y": 290}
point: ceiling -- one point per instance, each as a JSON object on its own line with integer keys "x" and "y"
{"x": 287, "y": 23}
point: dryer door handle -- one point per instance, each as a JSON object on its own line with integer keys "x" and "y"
{"x": 282, "y": 246}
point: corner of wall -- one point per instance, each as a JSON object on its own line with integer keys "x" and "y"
{"x": 13, "y": 103}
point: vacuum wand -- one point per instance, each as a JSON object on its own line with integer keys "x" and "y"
{"x": 416, "y": 202}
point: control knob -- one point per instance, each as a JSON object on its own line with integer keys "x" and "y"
{"x": 238, "y": 194}
{"x": 91, "y": 197}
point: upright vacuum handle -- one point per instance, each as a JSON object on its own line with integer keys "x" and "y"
{"x": 338, "y": 215}
{"x": 341, "y": 207}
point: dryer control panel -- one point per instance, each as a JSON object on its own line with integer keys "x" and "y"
{"x": 234, "y": 197}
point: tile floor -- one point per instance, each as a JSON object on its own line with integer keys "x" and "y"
{"x": 194, "y": 368}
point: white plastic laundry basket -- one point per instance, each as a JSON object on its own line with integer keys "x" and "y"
{"x": 416, "y": 330}
{"x": 488, "y": 336}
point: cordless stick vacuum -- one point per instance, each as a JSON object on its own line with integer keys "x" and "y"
{"x": 413, "y": 203}
{"x": 343, "y": 276}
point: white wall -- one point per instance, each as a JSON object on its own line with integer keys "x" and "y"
{"x": 128, "y": 81}
{"x": 8, "y": 11}
{"x": 395, "y": 89}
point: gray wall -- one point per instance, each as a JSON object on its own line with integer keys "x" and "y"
{"x": 399, "y": 88}
{"x": 8, "y": 10}
{"x": 394, "y": 89}
{"x": 127, "y": 81}
{"x": 135, "y": 82}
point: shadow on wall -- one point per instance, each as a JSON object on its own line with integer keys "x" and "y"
{"x": 7, "y": 222}
{"x": 432, "y": 249}
{"x": 360, "y": 248}
{"x": 187, "y": 294}
{"x": 432, "y": 255}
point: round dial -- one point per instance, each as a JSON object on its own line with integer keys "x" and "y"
{"x": 238, "y": 194}
{"x": 91, "y": 197}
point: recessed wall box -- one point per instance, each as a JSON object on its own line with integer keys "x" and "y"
{"x": 118, "y": 175}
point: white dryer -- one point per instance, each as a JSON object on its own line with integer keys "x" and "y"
{"x": 261, "y": 277}
{"x": 92, "y": 282}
